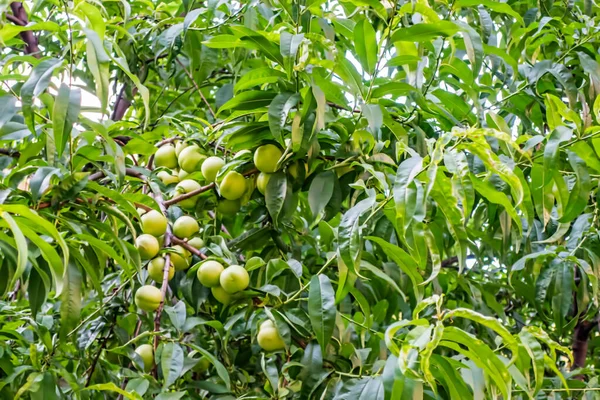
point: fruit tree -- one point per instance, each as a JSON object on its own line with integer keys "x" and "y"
{"x": 299, "y": 199}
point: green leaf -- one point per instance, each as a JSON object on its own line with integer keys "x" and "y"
{"x": 70, "y": 306}
{"x": 289, "y": 44}
{"x": 365, "y": 44}
{"x": 363, "y": 388}
{"x": 121, "y": 62}
{"x": 536, "y": 353}
{"x": 320, "y": 192}
{"x": 406, "y": 263}
{"x": 349, "y": 239}
{"x": 65, "y": 114}
{"x": 171, "y": 363}
{"x": 38, "y": 81}
{"x": 578, "y": 198}
{"x": 424, "y": 32}
{"x": 492, "y": 5}
{"x": 111, "y": 387}
{"x": 406, "y": 174}
{"x": 258, "y": 77}
{"x": 20, "y": 245}
{"x": 98, "y": 62}
{"x": 249, "y": 100}
{"x": 221, "y": 370}
{"x": 278, "y": 112}
{"x": 350, "y": 76}
{"x": 275, "y": 194}
{"x": 490, "y": 193}
{"x": 321, "y": 308}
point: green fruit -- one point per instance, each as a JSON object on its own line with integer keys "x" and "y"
{"x": 262, "y": 181}
{"x": 148, "y": 298}
{"x": 203, "y": 365}
{"x": 165, "y": 157}
{"x": 156, "y": 269}
{"x": 221, "y": 295}
{"x": 185, "y": 227}
{"x": 146, "y": 353}
{"x": 233, "y": 185}
{"x": 147, "y": 246}
{"x": 184, "y": 187}
{"x": 229, "y": 207}
{"x": 196, "y": 242}
{"x": 179, "y": 146}
{"x": 180, "y": 258}
{"x": 266, "y": 158}
{"x": 154, "y": 223}
{"x": 209, "y": 273}
{"x": 234, "y": 279}
{"x": 269, "y": 338}
{"x": 190, "y": 159}
{"x": 182, "y": 174}
{"x": 211, "y": 167}
{"x": 167, "y": 178}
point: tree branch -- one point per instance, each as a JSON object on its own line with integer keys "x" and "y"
{"x": 19, "y": 17}
{"x": 189, "y": 248}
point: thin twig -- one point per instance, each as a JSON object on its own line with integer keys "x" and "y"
{"x": 188, "y": 247}
{"x": 203, "y": 189}
{"x": 197, "y": 88}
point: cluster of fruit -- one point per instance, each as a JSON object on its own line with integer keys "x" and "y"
{"x": 226, "y": 283}
{"x": 232, "y": 185}
{"x": 154, "y": 226}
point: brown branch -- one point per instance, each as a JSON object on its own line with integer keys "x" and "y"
{"x": 20, "y": 18}
{"x": 165, "y": 282}
{"x": 121, "y": 104}
{"x": 203, "y": 189}
{"x": 189, "y": 248}
{"x": 186, "y": 196}
{"x": 10, "y": 153}
{"x": 15, "y": 20}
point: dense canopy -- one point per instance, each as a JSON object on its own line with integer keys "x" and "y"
{"x": 299, "y": 199}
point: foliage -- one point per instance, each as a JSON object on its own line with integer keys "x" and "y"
{"x": 431, "y": 230}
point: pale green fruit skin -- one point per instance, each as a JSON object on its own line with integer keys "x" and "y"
{"x": 229, "y": 207}
{"x": 234, "y": 279}
{"x": 156, "y": 269}
{"x": 221, "y": 295}
{"x": 148, "y": 298}
{"x": 186, "y": 186}
{"x": 262, "y": 181}
{"x": 154, "y": 223}
{"x": 179, "y": 146}
{"x": 233, "y": 185}
{"x": 185, "y": 227}
{"x": 190, "y": 159}
{"x": 211, "y": 167}
{"x": 146, "y": 353}
{"x": 196, "y": 242}
{"x": 180, "y": 258}
{"x": 147, "y": 246}
{"x": 165, "y": 157}
{"x": 269, "y": 338}
{"x": 266, "y": 157}
{"x": 209, "y": 273}
{"x": 182, "y": 174}
{"x": 167, "y": 178}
